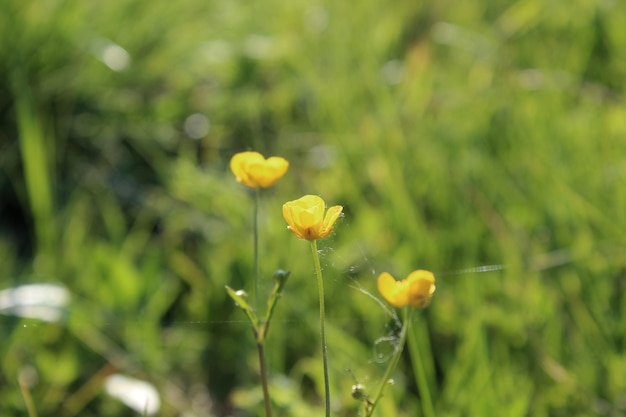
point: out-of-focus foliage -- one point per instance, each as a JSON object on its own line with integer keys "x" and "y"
{"x": 455, "y": 134}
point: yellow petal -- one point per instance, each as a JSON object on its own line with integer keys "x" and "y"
{"x": 296, "y": 225}
{"x": 331, "y": 217}
{"x": 253, "y": 170}
{"x": 421, "y": 286}
{"x": 290, "y": 218}
{"x": 309, "y": 217}
{"x": 278, "y": 165}
{"x": 240, "y": 163}
{"x": 270, "y": 171}
{"x": 416, "y": 290}
{"x": 288, "y": 213}
{"x": 392, "y": 290}
{"x": 292, "y": 212}
{"x": 310, "y": 201}
{"x": 305, "y": 217}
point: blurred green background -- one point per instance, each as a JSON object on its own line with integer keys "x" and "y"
{"x": 455, "y": 134}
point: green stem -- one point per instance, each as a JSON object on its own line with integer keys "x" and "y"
{"x": 30, "y": 406}
{"x": 320, "y": 283}
{"x": 255, "y": 227}
{"x": 420, "y": 375}
{"x": 260, "y": 333}
{"x": 263, "y": 370}
{"x": 392, "y": 363}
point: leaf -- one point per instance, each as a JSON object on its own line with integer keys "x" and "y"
{"x": 241, "y": 302}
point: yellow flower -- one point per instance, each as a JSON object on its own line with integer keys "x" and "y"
{"x": 416, "y": 289}
{"x": 306, "y": 219}
{"x": 253, "y": 170}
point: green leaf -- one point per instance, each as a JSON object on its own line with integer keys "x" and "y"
{"x": 240, "y": 301}
{"x": 280, "y": 279}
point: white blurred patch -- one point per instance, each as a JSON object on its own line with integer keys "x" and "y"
{"x": 316, "y": 19}
{"x": 217, "y": 51}
{"x": 115, "y": 57}
{"x": 392, "y": 72}
{"x": 197, "y": 126}
{"x": 44, "y": 302}
{"x": 28, "y": 376}
{"x": 111, "y": 54}
{"x": 536, "y": 79}
{"x": 259, "y": 47}
{"x": 139, "y": 395}
{"x": 322, "y": 156}
{"x": 460, "y": 37}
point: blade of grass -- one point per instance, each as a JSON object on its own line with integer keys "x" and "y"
{"x": 35, "y": 161}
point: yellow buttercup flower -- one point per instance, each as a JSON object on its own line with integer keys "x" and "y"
{"x": 306, "y": 218}
{"x": 416, "y": 290}
{"x": 253, "y": 170}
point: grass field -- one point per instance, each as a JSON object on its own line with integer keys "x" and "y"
{"x": 456, "y": 135}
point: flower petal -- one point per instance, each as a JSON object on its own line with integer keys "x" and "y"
{"x": 392, "y": 290}
{"x": 270, "y": 171}
{"x": 240, "y": 166}
{"x": 331, "y": 217}
{"x": 290, "y": 218}
{"x": 309, "y": 201}
{"x": 421, "y": 286}
{"x": 416, "y": 290}
{"x": 305, "y": 217}
{"x": 253, "y": 170}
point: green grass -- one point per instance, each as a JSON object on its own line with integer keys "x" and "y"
{"x": 454, "y": 135}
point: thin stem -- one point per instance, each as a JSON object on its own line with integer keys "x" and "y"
{"x": 28, "y": 400}
{"x": 255, "y": 227}
{"x": 320, "y": 283}
{"x": 263, "y": 370}
{"x": 420, "y": 375}
{"x": 260, "y": 336}
{"x": 392, "y": 363}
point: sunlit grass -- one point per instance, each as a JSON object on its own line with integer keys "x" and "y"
{"x": 454, "y": 135}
